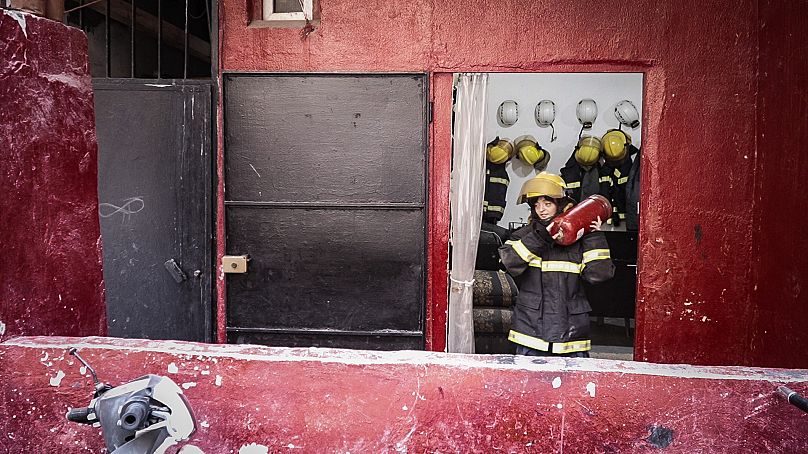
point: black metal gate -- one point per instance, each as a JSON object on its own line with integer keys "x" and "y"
{"x": 326, "y": 193}
{"x": 154, "y": 189}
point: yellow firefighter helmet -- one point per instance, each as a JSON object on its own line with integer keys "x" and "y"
{"x": 615, "y": 145}
{"x": 587, "y": 152}
{"x": 544, "y": 184}
{"x": 499, "y": 151}
{"x": 529, "y": 151}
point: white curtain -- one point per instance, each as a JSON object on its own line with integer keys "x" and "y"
{"x": 467, "y": 190}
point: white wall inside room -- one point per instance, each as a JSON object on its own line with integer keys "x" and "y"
{"x": 565, "y": 90}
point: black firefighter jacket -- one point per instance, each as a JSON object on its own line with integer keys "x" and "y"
{"x": 551, "y": 312}
{"x": 496, "y": 191}
{"x": 583, "y": 181}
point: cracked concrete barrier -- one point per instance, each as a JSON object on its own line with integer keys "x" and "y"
{"x": 252, "y": 399}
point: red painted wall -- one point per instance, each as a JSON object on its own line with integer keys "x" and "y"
{"x": 781, "y": 295}
{"x": 698, "y": 262}
{"x": 320, "y": 400}
{"x": 50, "y": 272}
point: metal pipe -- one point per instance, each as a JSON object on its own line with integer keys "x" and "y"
{"x": 107, "y": 38}
{"x": 159, "y": 38}
{"x": 185, "y": 46}
{"x": 132, "y": 23}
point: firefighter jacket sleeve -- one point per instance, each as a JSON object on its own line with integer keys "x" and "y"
{"x": 597, "y": 264}
{"x": 525, "y": 248}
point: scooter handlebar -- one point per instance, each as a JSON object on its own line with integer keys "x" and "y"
{"x": 80, "y": 415}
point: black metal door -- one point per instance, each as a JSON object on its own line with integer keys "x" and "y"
{"x": 155, "y": 206}
{"x": 326, "y": 193}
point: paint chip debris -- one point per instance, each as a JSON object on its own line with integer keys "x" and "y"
{"x": 253, "y": 448}
{"x": 556, "y": 382}
{"x": 188, "y": 385}
{"x": 57, "y": 380}
{"x": 172, "y": 368}
{"x": 404, "y": 408}
{"x": 218, "y": 380}
{"x": 590, "y": 388}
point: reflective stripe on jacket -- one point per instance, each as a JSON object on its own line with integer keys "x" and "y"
{"x": 551, "y": 312}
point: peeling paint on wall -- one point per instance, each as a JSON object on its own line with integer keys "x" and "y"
{"x": 18, "y": 16}
{"x": 253, "y": 448}
{"x": 57, "y": 380}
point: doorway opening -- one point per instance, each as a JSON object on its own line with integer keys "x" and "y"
{"x": 517, "y": 110}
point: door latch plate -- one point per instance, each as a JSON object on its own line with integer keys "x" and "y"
{"x": 235, "y": 263}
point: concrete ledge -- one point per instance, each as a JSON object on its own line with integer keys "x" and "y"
{"x": 359, "y": 401}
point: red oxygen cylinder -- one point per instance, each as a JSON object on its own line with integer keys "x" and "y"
{"x": 577, "y": 221}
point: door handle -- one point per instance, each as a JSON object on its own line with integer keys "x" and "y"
{"x": 175, "y": 271}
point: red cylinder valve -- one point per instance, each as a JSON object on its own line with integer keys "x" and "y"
{"x": 577, "y": 222}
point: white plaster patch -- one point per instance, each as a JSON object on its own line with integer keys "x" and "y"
{"x": 44, "y": 357}
{"x": 205, "y": 372}
{"x": 190, "y": 449}
{"x": 218, "y": 380}
{"x": 590, "y": 388}
{"x": 188, "y": 385}
{"x": 70, "y": 81}
{"x": 204, "y": 424}
{"x": 404, "y": 408}
{"x": 253, "y": 448}
{"x": 556, "y": 382}
{"x": 2, "y": 328}
{"x": 559, "y": 406}
{"x": 19, "y": 17}
{"x": 83, "y": 370}
{"x": 172, "y": 368}
{"x": 57, "y": 380}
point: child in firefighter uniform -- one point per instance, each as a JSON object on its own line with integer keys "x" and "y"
{"x": 551, "y": 315}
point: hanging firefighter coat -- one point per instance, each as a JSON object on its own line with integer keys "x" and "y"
{"x": 583, "y": 181}
{"x": 633, "y": 195}
{"x": 551, "y": 312}
{"x": 617, "y": 175}
{"x": 496, "y": 191}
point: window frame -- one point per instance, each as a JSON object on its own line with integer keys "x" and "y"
{"x": 270, "y": 18}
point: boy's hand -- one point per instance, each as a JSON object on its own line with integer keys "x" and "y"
{"x": 595, "y": 226}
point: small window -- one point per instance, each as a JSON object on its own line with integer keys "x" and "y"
{"x": 288, "y": 12}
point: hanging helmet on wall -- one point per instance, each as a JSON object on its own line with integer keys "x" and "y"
{"x": 615, "y": 145}
{"x": 545, "y": 112}
{"x": 627, "y": 114}
{"x": 587, "y": 152}
{"x": 508, "y": 113}
{"x": 530, "y": 152}
{"x": 587, "y": 112}
{"x": 543, "y": 185}
{"x": 545, "y": 115}
{"x": 499, "y": 150}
